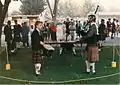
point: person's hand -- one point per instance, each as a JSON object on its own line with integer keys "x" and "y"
{"x": 41, "y": 43}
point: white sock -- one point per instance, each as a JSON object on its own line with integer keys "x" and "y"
{"x": 74, "y": 50}
{"x": 93, "y": 67}
{"x": 61, "y": 49}
{"x": 37, "y": 68}
{"x": 87, "y": 66}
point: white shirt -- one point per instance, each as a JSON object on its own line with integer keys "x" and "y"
{"x": 38, "y": 30}
{"x": 31, "y": 31}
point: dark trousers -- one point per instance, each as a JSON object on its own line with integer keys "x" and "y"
{"x": 25, "y": 41}
{"x": 53, "y": 36}
{"x": 9, "y": 45}
{"x": 13, "y": 44}
{"x": 112, "y": 35}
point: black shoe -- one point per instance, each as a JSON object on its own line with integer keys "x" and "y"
{"x": 36, "y": 75}
{"x": 92, "y": 73}
{"x": 74, "y": 54}
{"x": 112, "y": 37}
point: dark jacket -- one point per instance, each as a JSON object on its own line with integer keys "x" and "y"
{"x": 17, "y": 31}
{"x": 108, "y": 24}
{"x": 25, "y": 30}
{"x": 92, "y": 37}
{"x": 113, "y": 27}
{"x": 8, "y": 33}
{"x": 36, "y": 37}
{"x": 102, "y": 28}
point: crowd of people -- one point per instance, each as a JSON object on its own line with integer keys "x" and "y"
{"x": 105, "y": 28}
{"x": 87, "y": 32}
{"x": 18, "y": 34}
{"x": 90, "y": 37}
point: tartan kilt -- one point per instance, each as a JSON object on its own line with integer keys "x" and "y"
{"x": 37, "y": 57}
{"x": 93, "y": 54}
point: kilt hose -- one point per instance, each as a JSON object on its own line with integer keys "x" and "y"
{"x": 92, "y": 54}
{"x": 37, "y": 57}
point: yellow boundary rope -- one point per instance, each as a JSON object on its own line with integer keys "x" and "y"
{"x": 59, "y": 82}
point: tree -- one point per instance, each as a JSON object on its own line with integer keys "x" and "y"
{"x": 3, "y": 11}
{"x": 32, "y": 7}
{"x": 68, "y": 8}
{"x": 88, "y": 7}
{"x": 54, "y": 11}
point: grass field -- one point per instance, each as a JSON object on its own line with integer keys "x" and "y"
{"x": 56, "y": 70}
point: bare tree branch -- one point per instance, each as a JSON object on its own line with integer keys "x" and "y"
{"x": 1, "y": 6}
{"x": 55, "y": 7}
{"x": 31, "y": 7}
{"x": 1, "y": 3}
{"x": 50, "y": 7}
{"x": 3, "y": 11}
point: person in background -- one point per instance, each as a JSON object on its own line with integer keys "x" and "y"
{"x": 109, "y": 25}
{"x": 31, "y": 29}
{"x": 67, "y": 24}
{"x": 25, "y": 32}
{"x": 67, "y": 46}
{"x": 84, "y": 28}
{"x": 17, "y": 34}
{"x": 78, "y": 28}
{"x": 45, "y": 31}
{"x": 48, "y": 31}
{"x": 102, "y": 34}
{"x": 72, "y": 31}
{"x": 8, "y": 36}
{"x": 113, "y": 28}
{"x": 117, "y": 26}
{"x": 53, "y": 32}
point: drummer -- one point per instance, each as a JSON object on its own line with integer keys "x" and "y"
{"x": 37, "y": 41}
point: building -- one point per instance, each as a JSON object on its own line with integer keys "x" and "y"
{"x": 107, "y": 15}
{"x": 30, "y": 19}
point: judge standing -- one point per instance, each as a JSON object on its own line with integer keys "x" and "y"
{"x": 37, "y": 41}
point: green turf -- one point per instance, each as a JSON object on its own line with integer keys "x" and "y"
{"x": 57, "y": 69}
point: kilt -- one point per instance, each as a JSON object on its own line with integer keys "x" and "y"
{"x": 37, "y": 57}
{"x": 93, "y": 54}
